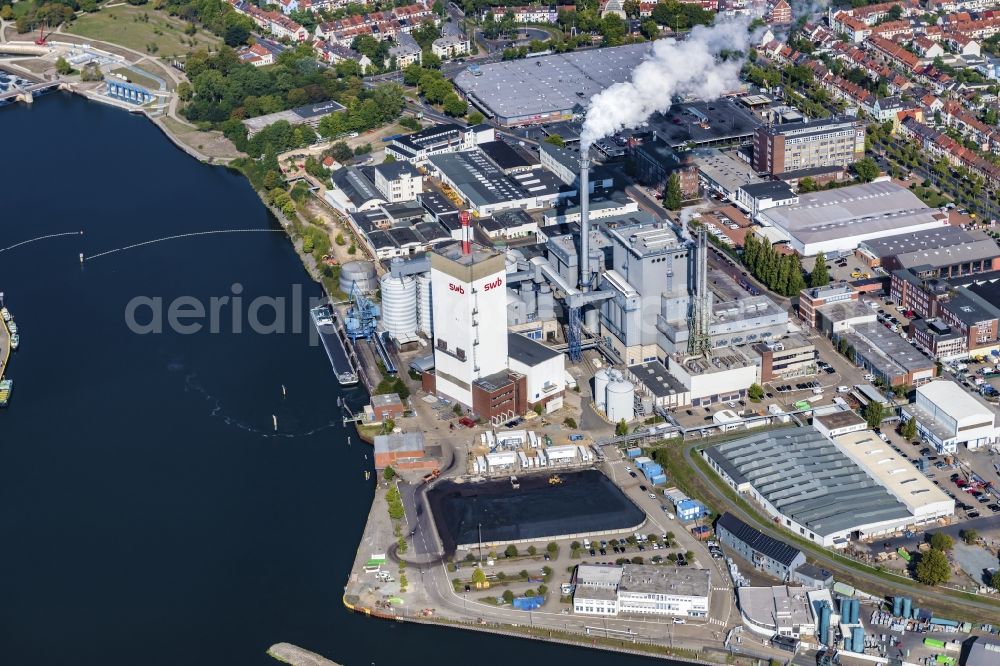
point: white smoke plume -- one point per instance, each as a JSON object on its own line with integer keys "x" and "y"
{"x": 689, "y": 67}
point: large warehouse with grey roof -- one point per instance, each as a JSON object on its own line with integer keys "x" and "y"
{"x": 547, "y": 88}
{"x": 810, "y": 485}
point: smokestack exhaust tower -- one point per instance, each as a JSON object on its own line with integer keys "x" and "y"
{"x": 463, "y": 217}
{"x": 699, "y": 334}
{"x": 585, "y": 219}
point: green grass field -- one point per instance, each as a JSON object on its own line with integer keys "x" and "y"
{"x": 141, "y": 28}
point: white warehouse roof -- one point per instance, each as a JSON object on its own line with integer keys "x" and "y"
{"x": 952, "y": 400}
{"x": 897, "y": 474}
{"x": 840, "y": 219}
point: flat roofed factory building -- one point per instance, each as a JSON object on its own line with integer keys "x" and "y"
{"x": 840, "y": 219}
{"x": 925, "y": 501}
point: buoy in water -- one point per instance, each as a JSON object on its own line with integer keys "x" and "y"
{"x": 275, "y": 419}
{"x": 283, "y": 391}
{"x": 367, "y": 475}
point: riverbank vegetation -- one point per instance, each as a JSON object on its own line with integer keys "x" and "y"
{"x": 224, "y": 91}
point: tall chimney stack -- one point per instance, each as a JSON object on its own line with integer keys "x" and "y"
{"x": 463, "y": 217}
{"x": 585, "y": 219}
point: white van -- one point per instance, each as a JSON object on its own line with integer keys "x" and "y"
{"x": 843, "y": 389}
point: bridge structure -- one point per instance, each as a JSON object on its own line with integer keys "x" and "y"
{"x": 26, "y": 92}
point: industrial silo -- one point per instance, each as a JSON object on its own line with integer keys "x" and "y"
{"x": 824, "y": 624}
{"x": 601, "y": 390}
{"x": 399, "y": 306}
{"x": 425, "y": 313}
{"x": 621, "y": 401}
{"x": 359, "y": 273}
{"x": 527, "y": 292}
{"x": 546, "y": 303}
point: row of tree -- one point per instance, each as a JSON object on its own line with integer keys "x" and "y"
{"x": 781, "y": 273}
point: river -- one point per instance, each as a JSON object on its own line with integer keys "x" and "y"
{"x": 149, "y": 511}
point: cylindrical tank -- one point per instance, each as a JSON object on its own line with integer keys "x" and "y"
{"x": 399, "y": 306}
{"x": 907, "y": 607}
{"x": 621, "y": 401}
{"x": 601, "y": 390}
{"x": 858, "y": 642}
{"x": 824, "y": 624}
{"x": 425, "y": 305}
{"x": 527, "y": 292}
{"x": 591, "y": 319}
{"x": 360, "y": 273}
{"x": 546, "y": 303}
{"x": 897, "y": 606}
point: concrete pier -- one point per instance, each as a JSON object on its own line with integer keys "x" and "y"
{"x": 293, "y": 654}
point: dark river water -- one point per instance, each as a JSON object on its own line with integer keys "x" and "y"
{"x": 149, "y": 512}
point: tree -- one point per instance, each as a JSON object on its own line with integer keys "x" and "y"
{"x": 508, "y": 596}
{"x": 63, "y": 67}
{"x": 474, "y": 118}
{"x": 995, "y": 580}
{"x": 933, "y": 568}
{"x": 969, "y": 536}
{"x": 621, "y": 428}
{"x": 807, "y": 185}
{"x": 510, "y": 551}
{"x": 941, "y": 541}
{"x": 755, "y": 392}
{"x": 910, "y": 429}
{"x": 238, "y": 28}
{"x": 569, "y": 422}
{"x": 673, "y": 197}
{"x": 555, "y": 140}
{"x": 649, "y": 29}
{"x": 866, "y": 170}
{"x": 874, "y": 413}
{"x": 552, "y": 548}
{"x": 631, "y": 8}
{"x": 478, "y": 577}
{"x": 532, "y": 551}
{"x": 388, "y": 474}
{"x": 819, "y": 277}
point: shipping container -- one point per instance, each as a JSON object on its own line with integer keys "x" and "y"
{"x": 934, "y": 643}
{"x": 634, "y": 452}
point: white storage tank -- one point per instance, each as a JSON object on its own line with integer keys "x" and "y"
{"x": 601, "y": 389}
{"x": 621, "y": 401}
{"x": 425, "y": 312}
{"x": 358, "y": 273}
{"x": 399, "y": 306}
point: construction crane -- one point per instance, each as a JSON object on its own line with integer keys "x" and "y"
{"x": 41, "y": 41}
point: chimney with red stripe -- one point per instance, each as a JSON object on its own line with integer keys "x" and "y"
{"x": 464, "y": 219}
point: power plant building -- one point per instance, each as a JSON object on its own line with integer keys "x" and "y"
{"x": 469, "y": 300}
